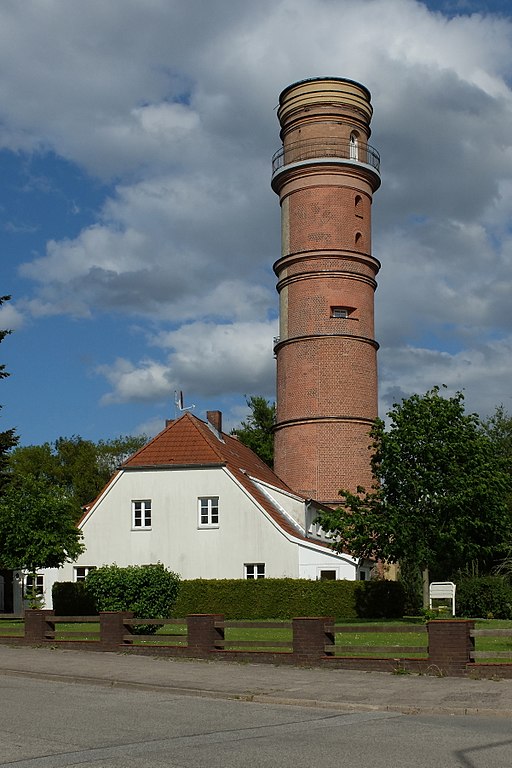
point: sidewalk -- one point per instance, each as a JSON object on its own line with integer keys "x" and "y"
{"x": 334, "y": 689}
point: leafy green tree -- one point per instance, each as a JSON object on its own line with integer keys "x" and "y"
{"x": 80, "y": 467}
{"x": 498, "y": 429}
{"x": 440, "y": 492}
{"x": 110, "y": 454}
{"x": 8, "y": 438}
{"x": 257, "y": 432}
{"x": 37, "y": 527}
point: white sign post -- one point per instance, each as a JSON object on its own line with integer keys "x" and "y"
{"x": 442, "y": 590}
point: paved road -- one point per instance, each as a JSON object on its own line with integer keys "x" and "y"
{"x": 344, "y": 690}
{"x": 46, "y": 724}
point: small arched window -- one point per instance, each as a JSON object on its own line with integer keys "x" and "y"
{"x": 358, "y": 239}
{"x": 353, "y": 147}
{"x": 358, "y": 205}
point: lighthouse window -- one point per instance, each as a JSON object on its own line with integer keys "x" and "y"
{"x": 340, "y": 312}
{"x": 358, "y": 205}
{"x": 354, "y": 152}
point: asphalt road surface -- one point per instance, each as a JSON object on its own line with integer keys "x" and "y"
{"x": 52, "y": 725}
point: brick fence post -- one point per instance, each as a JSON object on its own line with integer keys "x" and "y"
{"x": 37, "y": 624}
{"x": 112, "y": 629}
{"x": 311, "y": 636}
{"x": 450, "y": 645}
{"x": 202, "y": 634}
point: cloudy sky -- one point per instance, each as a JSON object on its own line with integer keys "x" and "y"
{"x": 137, "y": 224}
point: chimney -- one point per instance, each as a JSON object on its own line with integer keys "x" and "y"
{"x": 215, "y": 419}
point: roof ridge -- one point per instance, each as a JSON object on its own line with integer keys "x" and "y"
{"x": 205, "y": 432}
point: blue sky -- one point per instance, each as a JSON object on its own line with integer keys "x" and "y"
{"x": 137, "y": 224}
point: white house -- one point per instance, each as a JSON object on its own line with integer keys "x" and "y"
{"x": 204, "y": 505}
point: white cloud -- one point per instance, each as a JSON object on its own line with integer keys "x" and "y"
{"x": 206, "y": 359}
{"x": 179, "y": 116}
{"x": 11, "y": 319}
{"x": 481, "y": 372}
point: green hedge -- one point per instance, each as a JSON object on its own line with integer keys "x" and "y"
{"x": 487, "y": 597}
{"x": 235, "y": 598}
{"x": 71, "y": 598}
{"x": 288, "y": 598}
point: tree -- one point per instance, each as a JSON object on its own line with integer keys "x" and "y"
{"x": 110, "y": 454}
{"x": 498, "y": 429}
{"x": 37, "y": 527}
{"x": 80, "y": 467}
{"x": 8, "y": 437}
{"x": 440, "y": 493}
{"x": 257, "y": 432}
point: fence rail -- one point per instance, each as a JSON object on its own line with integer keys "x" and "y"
{"x": 450, "y": 647}
{"x": 491, "y": 654}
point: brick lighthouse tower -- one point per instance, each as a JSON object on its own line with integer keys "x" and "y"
{"x": 325, "y": 175}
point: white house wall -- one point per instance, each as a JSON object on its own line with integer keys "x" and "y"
{"x": 294, "y": 505}
{"x": 244, "y": 535}
{"x": 312, "y": 561}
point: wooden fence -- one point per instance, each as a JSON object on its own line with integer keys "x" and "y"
{"x": 439, "y": 647}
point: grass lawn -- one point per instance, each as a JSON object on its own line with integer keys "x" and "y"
{"x": 12, "y": 627}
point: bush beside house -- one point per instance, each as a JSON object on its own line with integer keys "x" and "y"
{"x": 487, "y": 597}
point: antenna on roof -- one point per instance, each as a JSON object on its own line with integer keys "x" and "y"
{"x": 178, "y": 403}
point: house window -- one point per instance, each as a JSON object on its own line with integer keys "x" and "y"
{"x": 327, "y": 575}
{"x": 254, "y": 570}
{"x": 141, "y": 514}
{"x": 340, "y": 312}
{"x": 209, "y": 512}
{"x": 81, "y": 571}
{"x": 29, "y": 584}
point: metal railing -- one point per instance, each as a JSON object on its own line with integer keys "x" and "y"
{"x": 324, "y": 148}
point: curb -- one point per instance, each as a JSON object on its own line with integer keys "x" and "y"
{"x": 261, "y": 698}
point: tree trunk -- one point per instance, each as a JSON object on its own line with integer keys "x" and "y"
{"x": 426, "y": 601}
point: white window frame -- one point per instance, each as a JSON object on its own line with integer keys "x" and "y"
{"x": 86, "y": 571}
{"x": 254, "y": 571}
{"x": 354, "y": 146}
{"x": 340, "y": 312}
{"x": 208, "y": 512}
{"x": 27, "y": 587}
{"x": 141, "y": 514}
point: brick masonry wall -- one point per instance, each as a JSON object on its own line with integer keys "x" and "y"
{"x": 326, "y": 366}
{"x": 326, "y": 217}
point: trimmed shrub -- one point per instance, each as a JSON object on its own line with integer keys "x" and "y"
{"x": 71, "y": 598}
{"x": 283, "y": 598}
{"x": 380, "y": 599}
{"x": 150, "y": 591}
{"x": 487, "y": 597}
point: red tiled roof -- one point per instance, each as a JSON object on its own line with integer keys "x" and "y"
{"x": 188, "y": 441}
